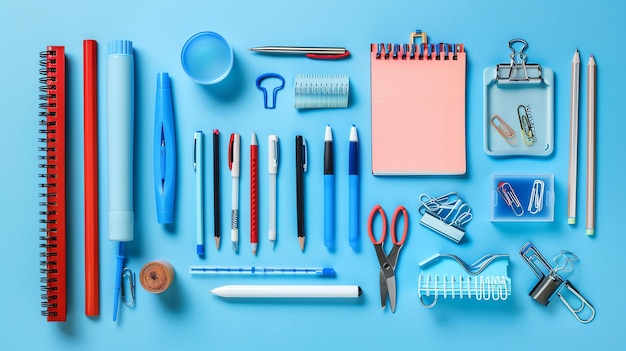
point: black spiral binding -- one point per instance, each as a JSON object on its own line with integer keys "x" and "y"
{"x": 48, "y": 230}
{"x": 421, "y": 51}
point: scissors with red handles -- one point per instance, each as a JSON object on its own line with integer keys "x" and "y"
{"x": 387, "y": 275}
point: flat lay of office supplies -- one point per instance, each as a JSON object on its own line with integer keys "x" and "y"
{"x": 52, "y": 157}
{"x": 477, "y": 132}
{"x": 552, "y": 284}
{"x": 388, "y": 262}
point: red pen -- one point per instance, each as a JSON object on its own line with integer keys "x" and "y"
{"x": 254, "y": 193}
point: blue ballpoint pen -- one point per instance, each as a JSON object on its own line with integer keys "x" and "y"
{"x": 164, "y": 151}
{"x": 329, "y": 191}
{"x": 198, "y": 167}
{"x": 353, "y": 172}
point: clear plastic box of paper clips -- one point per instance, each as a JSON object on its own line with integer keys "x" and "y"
{"x": 522, "y": 198}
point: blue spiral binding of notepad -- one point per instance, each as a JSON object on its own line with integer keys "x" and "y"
{"x": 321, "y": 91}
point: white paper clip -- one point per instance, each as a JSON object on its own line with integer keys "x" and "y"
{"x": 510, "y": 198}
{"x": 535, "y": 205}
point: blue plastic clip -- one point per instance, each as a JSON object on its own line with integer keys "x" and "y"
{"x": 276, "y": 89}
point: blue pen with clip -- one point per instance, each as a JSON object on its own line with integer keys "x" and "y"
{"x": 198, "y": 167}
{"x": 353, "y": 201}
{"x": 164, "y": 150}
{"x": 329, "y": 191}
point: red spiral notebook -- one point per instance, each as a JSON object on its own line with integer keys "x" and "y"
{"x": 418, "y": 108}
{"x": 53, "y": 201}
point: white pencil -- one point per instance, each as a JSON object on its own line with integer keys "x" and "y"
{"x": 288, "y": 291}
{"x": 573, "y": 141}
{"x": 591, "y": 144}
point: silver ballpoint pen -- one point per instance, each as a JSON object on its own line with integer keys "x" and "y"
{"x": 300, "y": 50}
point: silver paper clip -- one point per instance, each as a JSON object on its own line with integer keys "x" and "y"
{"x": 535, "y": 205}
{"x": 446, "y": 215}
{"x": 128, "y": 277}
{"x": 551, "y": 283}
{"x": 510, "y": 198}
{"x": 518, "y": 71}
{"x": 526, "y": 124}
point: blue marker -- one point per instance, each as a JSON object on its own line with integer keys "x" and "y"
{"x": 164, "y": 150}
{"x": 353, "y": 201}
{"x": 329, "y": 191}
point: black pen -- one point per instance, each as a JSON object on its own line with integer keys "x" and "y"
{"x": 216, "y": 187}
{"x": 300, "y": 169}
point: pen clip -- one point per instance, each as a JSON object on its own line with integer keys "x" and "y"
{"x": 328, "y": 57}
{"x": 195, "y": 152}
{"x": 273, "y": 154}
{"x": 231, "y": 143}
{"x": 304, "y": 155}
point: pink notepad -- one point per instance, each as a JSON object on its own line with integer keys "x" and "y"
{"x": 418, "y": 109}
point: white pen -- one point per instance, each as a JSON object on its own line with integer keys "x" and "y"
{"x": 272, "y": 159}
{"x": 198, "y": 167}
{"x": 288, "y": 291}
{"x": 233, "y": 164}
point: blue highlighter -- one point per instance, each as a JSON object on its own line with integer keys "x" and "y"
{"x": 164, "y": 151}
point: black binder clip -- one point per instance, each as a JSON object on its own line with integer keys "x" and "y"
{"x": 518, "y": 71}
{"x": 551, "y": 283}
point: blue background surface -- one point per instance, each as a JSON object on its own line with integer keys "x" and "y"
{"x": 187, "y": 316}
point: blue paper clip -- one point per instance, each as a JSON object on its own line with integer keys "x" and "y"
{"x": 276, "y": 89}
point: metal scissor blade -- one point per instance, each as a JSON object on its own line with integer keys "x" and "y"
{"x": 391, "y": 290}
{"x": 384, "y": 292}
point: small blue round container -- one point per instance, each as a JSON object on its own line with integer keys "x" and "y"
{"x": 207, "y": 58}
